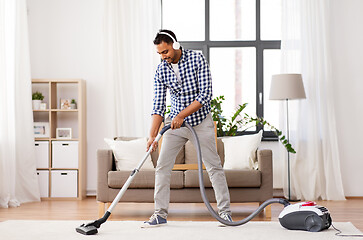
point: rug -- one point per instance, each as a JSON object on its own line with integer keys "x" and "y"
{"x": 175, "y": 230}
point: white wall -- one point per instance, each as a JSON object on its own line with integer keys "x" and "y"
{"x": 66, "y": 42}
{"x": 347, "y": 45}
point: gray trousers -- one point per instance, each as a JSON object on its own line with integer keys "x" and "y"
{"x": 173, "y": 141}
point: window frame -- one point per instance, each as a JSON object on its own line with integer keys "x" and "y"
{"x": 260, "y": 46}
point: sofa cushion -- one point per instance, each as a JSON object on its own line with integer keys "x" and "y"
{"x": 235, "y": 178}
{"x": 180, "y": 157}
{"x": 240, "y": 151}
{"x": 129, "y": 153}
{"x": 143, "y": 179}
{"x": 190, "y": 153}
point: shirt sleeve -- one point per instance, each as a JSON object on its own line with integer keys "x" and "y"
{"x": 159, "y": 96}
{"x": 204, "y": 81}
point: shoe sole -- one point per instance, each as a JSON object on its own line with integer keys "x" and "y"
{"x": 153, "y": 226}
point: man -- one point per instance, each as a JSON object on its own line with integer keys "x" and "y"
{"x": 187, "y": 76}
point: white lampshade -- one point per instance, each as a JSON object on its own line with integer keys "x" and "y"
{"x": 287, "y": 86}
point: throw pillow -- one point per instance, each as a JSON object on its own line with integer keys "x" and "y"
{"x": 240, "y": 151}
{"x": 128, "y": 154}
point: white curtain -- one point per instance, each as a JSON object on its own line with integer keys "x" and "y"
{"x": 131, "y": 60}
{"x": 18, "y": 179}
{"x": 305, "y": 49}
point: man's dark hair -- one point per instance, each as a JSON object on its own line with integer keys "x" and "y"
{"x": 164, "y": 38}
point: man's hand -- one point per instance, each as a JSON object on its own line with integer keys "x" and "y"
{"x": 177, "y": 122}
{"x": 149, "y": 143}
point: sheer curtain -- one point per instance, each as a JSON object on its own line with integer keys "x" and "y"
{"x": 305, "y": 49}
{"x": 18, "y": 179}
{"x": 131, "y": 60}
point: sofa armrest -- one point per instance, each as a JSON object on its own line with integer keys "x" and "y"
{"x": 104, "y": 165}
{"x": 264, "y": 158}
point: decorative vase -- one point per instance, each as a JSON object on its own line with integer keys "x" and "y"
{"x": 36, "y": 104}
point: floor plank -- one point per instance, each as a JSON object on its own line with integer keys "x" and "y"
{"x": 350, "y": 210}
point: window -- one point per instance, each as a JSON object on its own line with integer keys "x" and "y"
{"x": 241, "y": 41}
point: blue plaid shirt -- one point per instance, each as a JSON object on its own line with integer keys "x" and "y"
{"x": 196, "y": 84}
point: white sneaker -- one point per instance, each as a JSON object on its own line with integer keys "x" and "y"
{"x": 225, "y": 216}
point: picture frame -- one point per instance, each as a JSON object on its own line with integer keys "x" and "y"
{"x": 43, "y": 106}
{"x": 41, "y": 129}
{"x": 65, "y": 103}
{"x": 64, "y": 133}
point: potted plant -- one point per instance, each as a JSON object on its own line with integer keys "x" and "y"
{"x": 73, "y": 104}
{"x": 229, "y": 127}
{"x": 37, "y": 98}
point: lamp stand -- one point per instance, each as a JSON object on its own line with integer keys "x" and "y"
{"x": 288, "y": 154}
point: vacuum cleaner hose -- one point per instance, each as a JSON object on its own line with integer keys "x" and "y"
{"x": 91, "y": 228}
{"x": 204, "y": 196}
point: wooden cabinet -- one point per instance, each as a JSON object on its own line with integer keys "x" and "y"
{"x": 61, "y": 158}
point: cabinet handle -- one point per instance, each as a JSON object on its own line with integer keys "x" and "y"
{"x": 37, "y": 144}
{"x": 63, "y": 173}
{"x": 65, "y": 144}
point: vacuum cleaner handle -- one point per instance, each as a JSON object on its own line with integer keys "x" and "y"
{"x": 167, "y": 127}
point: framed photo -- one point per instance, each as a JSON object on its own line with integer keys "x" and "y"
{"x": 64, "y": 133}
{"x": 41, "y": 129}
{"x": 65, "y": 103}
{"x": 43, "y": 106}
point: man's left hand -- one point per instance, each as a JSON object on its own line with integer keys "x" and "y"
{"x": 177, "y": 122}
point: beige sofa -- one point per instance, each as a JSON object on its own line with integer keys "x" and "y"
{"x": 244, "y": 185}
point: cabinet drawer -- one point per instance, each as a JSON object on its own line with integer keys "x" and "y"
{"x": 64, "y": 183}
{"x": 43, "y": 179}
{"x": 65, "y": 154}
{"x": 42, "y": 154}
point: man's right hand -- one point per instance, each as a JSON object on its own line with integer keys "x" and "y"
{"x": 149, "y": 143}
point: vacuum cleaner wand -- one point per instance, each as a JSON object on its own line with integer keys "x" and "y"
{"x": 91, "y": 228}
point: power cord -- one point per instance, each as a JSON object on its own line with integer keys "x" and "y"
{"x": 339, "y": 233}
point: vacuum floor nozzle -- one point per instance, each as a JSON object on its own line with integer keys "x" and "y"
{"x": 87, "y": 229}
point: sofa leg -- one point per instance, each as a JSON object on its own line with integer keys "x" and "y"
{"x": 267, "y": 211}
{"x": 101, "y": 209}
{"x": 107, "y": 206}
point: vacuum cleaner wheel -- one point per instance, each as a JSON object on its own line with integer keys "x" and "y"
{"x": 313, "y": 223}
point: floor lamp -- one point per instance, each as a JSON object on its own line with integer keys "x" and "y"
{"x": 287, "y": 87}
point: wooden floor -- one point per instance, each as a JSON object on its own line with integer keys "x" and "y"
{"x": 350, "y": 210}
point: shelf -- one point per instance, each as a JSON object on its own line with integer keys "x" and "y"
{"x": 54, "y": 90}
{"x": 64, "y": 169}
{"x": 55, "y": 81}
{"x": 57, "y": 110}
{"x": 60, "y": 139}
{"x": 56, "y": 139}
{"x": 44, "y": 110}
{"x": 64, "y": 110}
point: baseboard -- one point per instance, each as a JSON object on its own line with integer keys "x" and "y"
{"x": 90, "y": 193}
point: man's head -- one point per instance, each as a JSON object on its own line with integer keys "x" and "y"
{"x": 164, "y": 41}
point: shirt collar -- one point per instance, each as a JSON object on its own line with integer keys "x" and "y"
{"x": 183, "y": 56}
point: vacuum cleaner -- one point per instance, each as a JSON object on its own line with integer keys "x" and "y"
{"x": 301, "y": 216}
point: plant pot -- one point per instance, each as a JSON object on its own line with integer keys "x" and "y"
{"x": 73, "y": 105}
{"x": 36, "y": 104}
